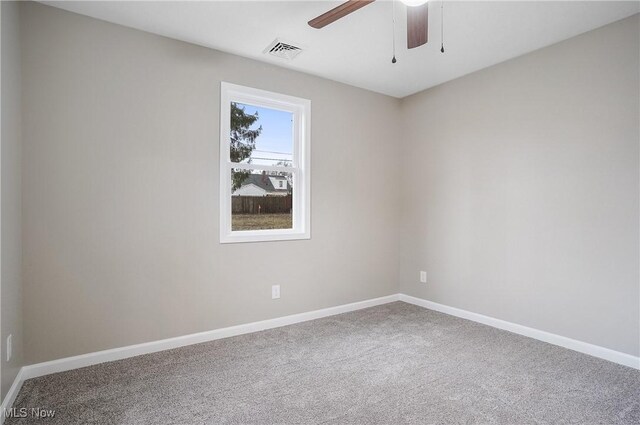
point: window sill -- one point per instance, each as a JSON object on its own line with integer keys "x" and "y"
{"x": 263, "y": 236}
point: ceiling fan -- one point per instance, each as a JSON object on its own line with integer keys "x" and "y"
{"x": 417, "y": 18}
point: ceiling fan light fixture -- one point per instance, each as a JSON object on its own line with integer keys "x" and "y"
{"x": 417, "y": 18}
{"x": 414, "y": 3}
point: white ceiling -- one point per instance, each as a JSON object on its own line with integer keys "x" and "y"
{"x": 357, "y": 49}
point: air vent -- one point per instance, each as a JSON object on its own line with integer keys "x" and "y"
{"x": 282, "y": 50}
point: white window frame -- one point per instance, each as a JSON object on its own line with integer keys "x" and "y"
{"x": 301, "y": 111}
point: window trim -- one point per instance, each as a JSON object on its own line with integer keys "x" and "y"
{"x": 301, "y": 110}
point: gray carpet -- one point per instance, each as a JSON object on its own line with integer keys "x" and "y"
{"x": 392, "y": 364}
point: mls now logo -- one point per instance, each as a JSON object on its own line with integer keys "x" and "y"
{"x": 34, "y": 412}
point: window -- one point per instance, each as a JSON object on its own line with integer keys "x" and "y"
{"x": 264, "y": 165}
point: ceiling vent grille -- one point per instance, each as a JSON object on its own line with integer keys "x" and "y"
{"x": 282, "y": 50}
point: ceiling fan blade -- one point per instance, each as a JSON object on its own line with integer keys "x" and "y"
{"x": 338, "y": 12}
{"x": 417, "y": 25}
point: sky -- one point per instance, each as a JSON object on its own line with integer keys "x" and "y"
{"x": 275, "y": 143}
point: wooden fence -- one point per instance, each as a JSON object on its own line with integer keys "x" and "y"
{"x": 261, "y": 204}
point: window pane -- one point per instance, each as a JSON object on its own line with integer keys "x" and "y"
{"x": 261, "y": 135}
{"x": 261, "y": 200}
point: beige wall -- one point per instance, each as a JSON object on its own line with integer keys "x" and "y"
{"x": 521, "y": 190}
{"x": 121, "y": 191}
{"x": 10, "y": 210}
{"x": 517, "y": 187}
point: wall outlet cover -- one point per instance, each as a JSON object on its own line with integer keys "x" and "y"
{"x": 9, "y": 347}
{"x": 275, "y": 292}
{"x": 423, "y": 277}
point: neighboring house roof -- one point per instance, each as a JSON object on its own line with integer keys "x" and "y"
{"x": 265, "y": 182}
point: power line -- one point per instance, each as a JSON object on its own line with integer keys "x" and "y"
{"x": 279, "y": 153}
{"x": 272, "y": 159}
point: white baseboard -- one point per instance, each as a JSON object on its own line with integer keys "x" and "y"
{"x": 89, "y": 359}
{"x": 572, "y": 344}
{"x": 75, "y": 362}
{"x": 7, "y": 403}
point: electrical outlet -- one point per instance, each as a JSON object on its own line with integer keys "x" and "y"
{"x": 9, "y": 347}
{"x": 275, "y": 292}
{"x": 423, "y": 277}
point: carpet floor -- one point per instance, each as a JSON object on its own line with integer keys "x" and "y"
{"x": 391, "y": 364}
